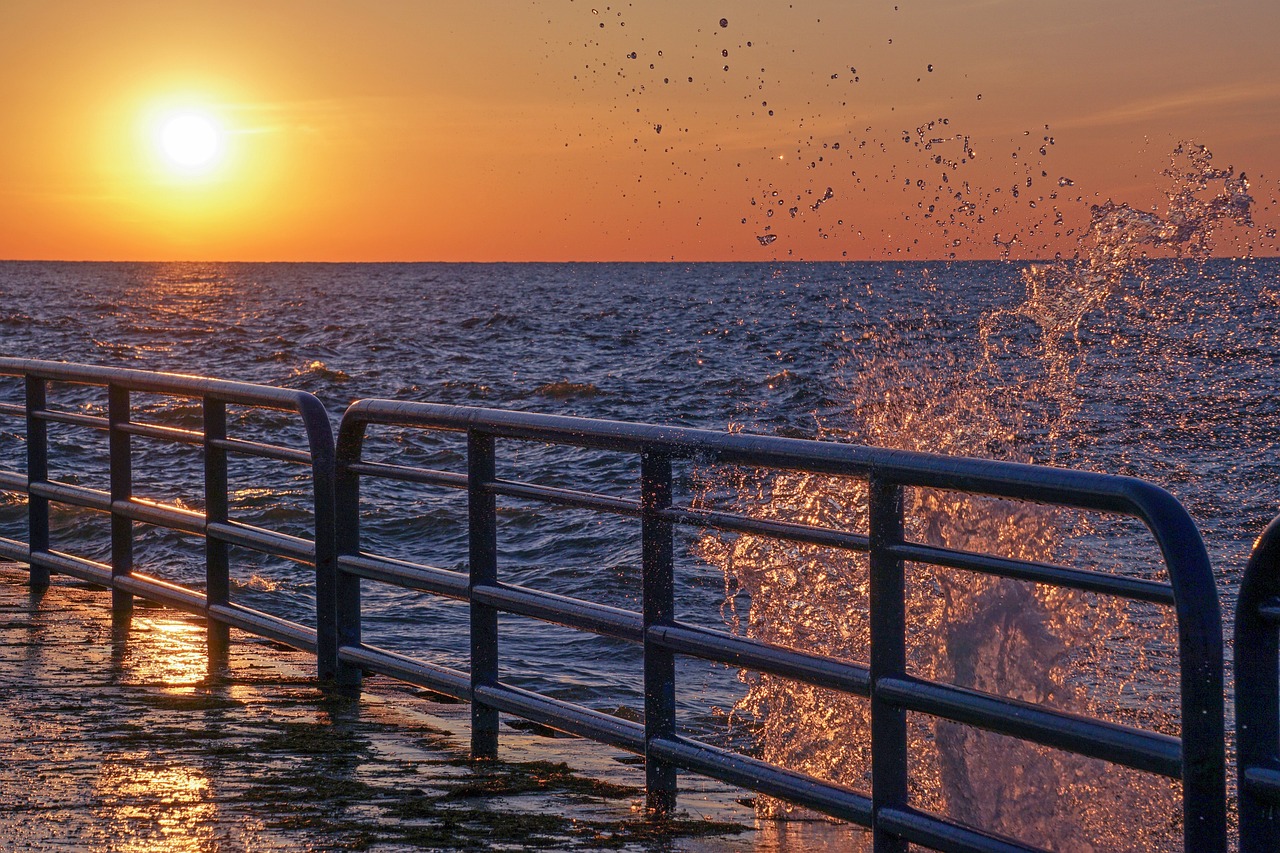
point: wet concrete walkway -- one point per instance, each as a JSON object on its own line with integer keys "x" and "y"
{"x": 122, "y": 738}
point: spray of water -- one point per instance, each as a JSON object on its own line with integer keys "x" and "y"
{"x": 1024, "y": 641}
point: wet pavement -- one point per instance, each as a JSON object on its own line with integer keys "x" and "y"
{"x": 123, "y": 737}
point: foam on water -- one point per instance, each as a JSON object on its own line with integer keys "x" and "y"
{"x": 1059, "y": 648}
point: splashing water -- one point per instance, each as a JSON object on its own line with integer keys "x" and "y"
{"x": 1030, "y": 642}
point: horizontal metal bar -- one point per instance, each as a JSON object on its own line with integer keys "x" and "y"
{"x": 562, "y": 610}
{"x": 12, "y": 549}
{"x": 1270, "y": 611}
{"x": 751, "y": 773}
{"x": 163, "y": 592}
{"x": 408, "y": 575}
{"x": 712, "y": 520}
{"x": 12, "y": 481}
{"x": 163, "y": 433}
{"x": 16, "y": 409}
{"x": 67, "y": 564}
{"x": 404, "y": 473}
{"x": 752, "y": 654}
{"x": 176, "y": 384}
{"x": 450, "y": 682}
{"x": 564, "y": 716}
{"x": 266, "y": 541}
{"x": 264, "y": 451}
{"x": 925, "y": 829}
{"x": 1084, "y": 489}
{"x": 161, "y": 515}
{"x": 66, "y": 493}
{"x": 265, "y": 625}
{"x": 1263, "y": 782}
{"x": 57, "y": 417}
{"x": 564, "y": 497}
{"x": 1133, "y": 588}
{"x": 1142, "y": 750}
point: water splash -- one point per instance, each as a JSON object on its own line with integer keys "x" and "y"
{"x": 1115, "y": 249}
{"x": 1029, "y": 642}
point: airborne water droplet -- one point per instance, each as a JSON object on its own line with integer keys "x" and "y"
{"x": 766, "y": 239}
{"x": 724, "y": 22}
{"x": 1066, "y": 182}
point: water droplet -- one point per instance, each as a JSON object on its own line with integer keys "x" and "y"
{"x": 657, "y": 128}
{"x": 930, "y": 67}
{"x": 766, "y": 239}
{"x": 724, "y": 22}
{"x": 1066, "y": 182}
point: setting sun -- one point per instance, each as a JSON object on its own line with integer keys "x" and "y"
{"x": 190, "y": 141}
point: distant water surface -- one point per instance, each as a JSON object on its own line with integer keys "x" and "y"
{"x": 1176, "y": 383}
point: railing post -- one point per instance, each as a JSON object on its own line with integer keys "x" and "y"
{"x": 346, "y": 537}
{"x": 659, "y": 609}
{"x": 323, "y": 470}
{"x": 483, "y": 562}
{"x": 217, "y": 568}
{"x": 1258, "y": 694}
{"x": 119, "y": 446}
{"x": 889, "y": 770}
{"x": 37, "y": 472}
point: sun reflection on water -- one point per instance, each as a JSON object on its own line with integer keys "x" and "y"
{"x": 165, "y": 650}
{"x": 151, "y": 798}
{"x": 147, "y": 807}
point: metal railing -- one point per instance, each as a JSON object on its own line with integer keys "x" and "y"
{"x": 1257, "y": 656}
{"x": 1196, "y": 758}
{"x": 220, "y": 532}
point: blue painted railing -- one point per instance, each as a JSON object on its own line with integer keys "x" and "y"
{"x": 341, "y": 566}
{"x": 1197, "y": 758}
{"x": 1257, "y": 656}
{"x": 214, "y": 524}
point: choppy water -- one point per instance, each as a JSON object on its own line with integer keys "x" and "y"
{"x": 1172, "y": 378}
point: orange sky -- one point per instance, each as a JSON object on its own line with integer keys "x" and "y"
{"x": 527, "y": 131}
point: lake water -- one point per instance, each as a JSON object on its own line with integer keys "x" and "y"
{"x": 1172, "y": 377}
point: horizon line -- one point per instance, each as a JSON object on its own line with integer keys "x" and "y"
{"x": 1020, "y": 260}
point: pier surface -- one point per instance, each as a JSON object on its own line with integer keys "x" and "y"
{"x": 124, "y": 737}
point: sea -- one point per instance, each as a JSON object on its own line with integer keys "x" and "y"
{"x": 1161, "y": 368}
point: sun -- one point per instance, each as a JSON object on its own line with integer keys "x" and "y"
{"x": 190, "y": 141}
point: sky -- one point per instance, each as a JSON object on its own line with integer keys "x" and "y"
{"x": 583, "y": 131}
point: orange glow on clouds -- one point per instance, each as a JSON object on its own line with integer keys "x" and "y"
{"x": 563, "y": 130}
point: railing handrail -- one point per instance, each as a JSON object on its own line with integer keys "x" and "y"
{"x": 156, "y": 382}
{"x": 336, "y": 470}
{"x": 1257, "y": 683}
{"x": 213, "y": 525}
{"x": 1202, "y": 753}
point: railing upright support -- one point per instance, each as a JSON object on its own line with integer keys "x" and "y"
{"x": 346, "y": 538}
{"x": 657, "y": 569}
{"x": 483, "y": 526}
{"x": 37, "y": 472}
{"x": 217, "y": 565}
{"x": 889, "y": 771}
{"x": 121, "y": 459}
{"x": 1258, "y": 696}
{"x": 323, "y": 468}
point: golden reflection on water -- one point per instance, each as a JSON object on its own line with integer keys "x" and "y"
{"x": 148, "y": 808}
{"x": 165, "y": 650}
{"x": 152, "y": 800}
